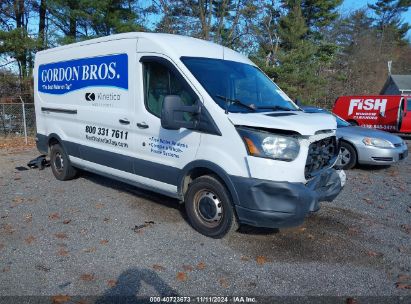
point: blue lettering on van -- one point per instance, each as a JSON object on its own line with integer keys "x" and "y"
{"x": 67, "y": 76}
{"x": 166, "y": 147}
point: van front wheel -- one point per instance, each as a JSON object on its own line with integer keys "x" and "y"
{"x": 60, "y": 163}
{"x": 209, "y": 208}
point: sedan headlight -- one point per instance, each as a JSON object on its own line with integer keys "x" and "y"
{"x": 377, "y": 142}
{"x": 269, "y": 145}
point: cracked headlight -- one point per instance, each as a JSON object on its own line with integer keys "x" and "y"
{"x": 269, "y": 145}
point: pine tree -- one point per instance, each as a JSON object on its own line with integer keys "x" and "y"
{"x": 388, "y": 18}
{"x": 296, "y": 71}
{"x": 69, "y": 17}
{"x": 107, "y": 17}
{"x": 42, "y": 8}
{"x": 227, "y": 22}
{"x": 292, "y": 28}
{"x": 319, "y": 13}
{"x": 14, "y": 37}
{"x": 389, "y": 11}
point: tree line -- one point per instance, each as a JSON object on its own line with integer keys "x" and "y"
{"x": 306, "y": 46}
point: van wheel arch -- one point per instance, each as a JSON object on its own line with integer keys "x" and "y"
{"x": 54, "y": 139}
{"x": 201, "y": 168}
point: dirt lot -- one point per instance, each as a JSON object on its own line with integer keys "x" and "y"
{"x": 96, "y": 236}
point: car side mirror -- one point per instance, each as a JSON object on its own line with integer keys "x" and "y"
{"x": 172, "y": 113}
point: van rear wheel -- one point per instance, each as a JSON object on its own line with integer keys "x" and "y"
{"x": 60, "y": 163}
{"x": 209, "y": 208}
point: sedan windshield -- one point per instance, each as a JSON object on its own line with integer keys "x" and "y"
{"x": 238, "y": 87}
{"x": 341, "y": 122}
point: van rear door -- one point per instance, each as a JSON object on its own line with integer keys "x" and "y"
{"x": 105, "y": 106}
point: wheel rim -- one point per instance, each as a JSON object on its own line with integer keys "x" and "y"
{"x": 344, "y": 157}
{"x": 208, "y": 208}
{"x": 58, "y": 162}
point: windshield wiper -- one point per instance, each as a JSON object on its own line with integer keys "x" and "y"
{"x": 277, "y": 108}
{"x": 230, "y": 101}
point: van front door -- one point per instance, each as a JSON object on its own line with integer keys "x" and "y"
{"x": 406, "y": 119}
{"x": 161, "y": 153}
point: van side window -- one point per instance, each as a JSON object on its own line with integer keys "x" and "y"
{"x": 160, "y": 81}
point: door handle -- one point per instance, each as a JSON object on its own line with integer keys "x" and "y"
{"x": 142, "y": 125}
{"x": 124, "y": 121}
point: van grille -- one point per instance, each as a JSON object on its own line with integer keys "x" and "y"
{"x": 321, "y": 155}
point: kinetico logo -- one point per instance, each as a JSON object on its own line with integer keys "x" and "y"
{"x": 90, "y": 96}
{"x": 368, "y": 104}
{"x": 66, "y": 76}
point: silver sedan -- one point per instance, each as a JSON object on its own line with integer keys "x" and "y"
{"x": 360, "y": 145}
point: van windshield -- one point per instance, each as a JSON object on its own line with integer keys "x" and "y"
{"x": 238, "y": 87}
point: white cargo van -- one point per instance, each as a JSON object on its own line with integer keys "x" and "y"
{"x": 189, "y": 119}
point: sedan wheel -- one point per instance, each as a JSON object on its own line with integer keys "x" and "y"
{"x": 344, "y": 157}
{"x": 347, "y": 158}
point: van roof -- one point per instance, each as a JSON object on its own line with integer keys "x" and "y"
{"x": 178, "y": 45}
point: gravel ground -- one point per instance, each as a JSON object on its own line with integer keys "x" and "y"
{"x": 95, "y": 236}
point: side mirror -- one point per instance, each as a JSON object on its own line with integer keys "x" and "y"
{"x": 172, "y": 113}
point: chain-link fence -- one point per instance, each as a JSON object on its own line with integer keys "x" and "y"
{"x": 17, "y": 118}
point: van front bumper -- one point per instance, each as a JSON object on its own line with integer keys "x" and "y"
{"x": 271, "y": 204}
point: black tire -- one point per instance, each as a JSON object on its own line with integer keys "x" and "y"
{"x": 209, "y": 207}
{"x": 348, "y": 156}
{"x": 60, "y": 164}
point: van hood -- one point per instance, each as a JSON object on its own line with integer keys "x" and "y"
{"x": 298, "y": 121}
